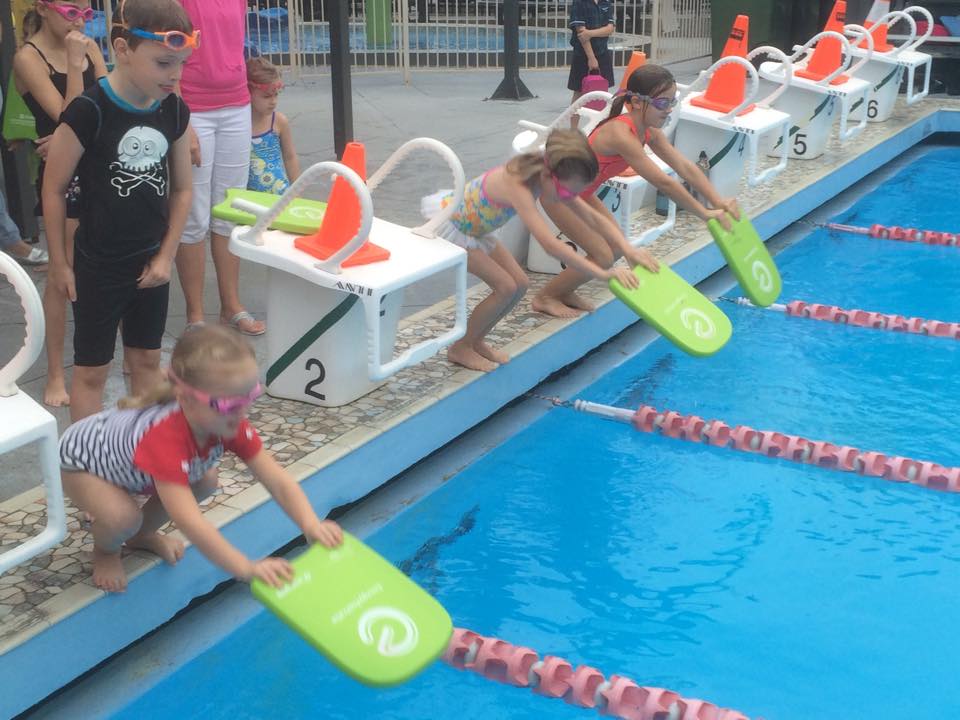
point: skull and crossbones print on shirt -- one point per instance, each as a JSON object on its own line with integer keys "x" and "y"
{"x": 141, "y": 154}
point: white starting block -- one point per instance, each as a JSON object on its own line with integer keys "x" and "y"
{"x": 23, "y": 420}
{"x": 884, "y": 70}
{"x": 811, "y": 104}
{"x": 732, "y": 139}
{"x": 332, "y": 328}
{"x": 623, "y": 196}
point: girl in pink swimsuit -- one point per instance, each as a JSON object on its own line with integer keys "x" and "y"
{"x": 635, "y": 120}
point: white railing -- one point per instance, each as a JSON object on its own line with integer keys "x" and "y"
{"x": 680, "y": 30}
{"x": 424, "y": 34}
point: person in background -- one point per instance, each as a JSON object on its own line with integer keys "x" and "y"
{"x": 55, "y": 65}
{"x": 591, "y": 23}
{"x": 273, "y": 159}
{"x": 214, "y": 86}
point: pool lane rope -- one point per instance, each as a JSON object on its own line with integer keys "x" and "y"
{"x": 586, "y": 687}
{"x": 859, "y": 318}
{"x": 893, "y": 232}
{"x": 744, "y": 438}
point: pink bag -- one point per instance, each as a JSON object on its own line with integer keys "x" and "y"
{"x": 592, "y": 82}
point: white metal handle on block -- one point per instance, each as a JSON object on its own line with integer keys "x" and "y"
{"x": 648, "y": 236}
{"x": 753, "y": 177}
{"x": 33, "y": 316}
{"x": 427, "y": 230}
{"x": 805, "y": 52}
{"x": 865, "y": 36}
{"x": 785, "y": 62}
{"x": 377, "y": 370}
{"x": 890, "y": 19}
{"x": 563, "y": 119}
{"x": 920, "y": 40}
{"x": 309, "y": 177}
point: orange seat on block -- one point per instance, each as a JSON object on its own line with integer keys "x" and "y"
{"x": 879, "y": 32}
{"x": 342, "y": 218}
{"x": 828, "y": 54}
{"x": 727, "y": 86}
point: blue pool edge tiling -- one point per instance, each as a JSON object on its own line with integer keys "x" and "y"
{"x": 66, "y": 649}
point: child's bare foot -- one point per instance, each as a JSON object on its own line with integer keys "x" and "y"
{"x": 578, "y": 303}
{"x": 108, "y": 572}
{"x": 492, "y": 354}
{"x": 552, "y": 306}
{"x": 465, "y": 355}
{"x": 169, "y": 549}
{"x": 55, "y": 393}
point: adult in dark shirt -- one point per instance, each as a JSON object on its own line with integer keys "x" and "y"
{"x": 591, "y": 23}
{"x": 126, "y": 140}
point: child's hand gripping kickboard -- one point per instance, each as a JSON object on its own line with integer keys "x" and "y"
{"x": 749, "y": 260}
{"x": 677, "y": 310}
{"x": 362, "y": 613}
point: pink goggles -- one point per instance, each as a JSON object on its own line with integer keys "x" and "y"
{"x": 71, "y": 13}
{"x": 226, "y": 405}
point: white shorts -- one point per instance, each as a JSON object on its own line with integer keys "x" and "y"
{"x": 224, "y": 136}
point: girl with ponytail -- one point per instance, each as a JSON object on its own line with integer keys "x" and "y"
{"x": 635, "y": 121}
{"x": 556, "y": 177}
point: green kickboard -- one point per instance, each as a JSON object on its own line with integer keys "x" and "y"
{"x": 677, "y": 310}
{"x": 301, "y": 217}
{"x": 362, "y": 613}
{"x": 749, "y": 260}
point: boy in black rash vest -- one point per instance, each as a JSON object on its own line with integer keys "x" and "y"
{"x": 125, "y": 139}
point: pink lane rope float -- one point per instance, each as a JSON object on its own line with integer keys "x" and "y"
{"x": 861, "y": 318}
{"x": 893, "y": 232}
{"x": 584, "y": 686}
{"x": 780, "y": 445}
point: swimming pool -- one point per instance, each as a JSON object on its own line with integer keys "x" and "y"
{"x": 779, "y": 590}
{"x": 315, "y": 38}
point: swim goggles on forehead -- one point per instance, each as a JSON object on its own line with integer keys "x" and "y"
{"x": 224, "y": 405}
{"x": 171, "y": 39}
{"x": 70, "y": 13}
{"x": 271, "y": 87}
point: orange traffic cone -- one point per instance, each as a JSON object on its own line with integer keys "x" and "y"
{"x": 637, "y": 59}
{"x": 828, "y": 54}
{"x": 342, "y": 217}
{"x": 728, "y": 84}
{"x": 879, "y": 32}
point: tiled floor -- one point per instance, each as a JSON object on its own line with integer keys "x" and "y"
{"x": 304, "y": 437}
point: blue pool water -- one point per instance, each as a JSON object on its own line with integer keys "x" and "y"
{"x": 421, "y": 38}
{"x": 784, "y": 591}
{"x": 269, "y": 35}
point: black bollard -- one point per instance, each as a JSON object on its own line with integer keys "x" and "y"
{"x": 511, "y": 87}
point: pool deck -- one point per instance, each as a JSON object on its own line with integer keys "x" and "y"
{"x": 49, "y": 608}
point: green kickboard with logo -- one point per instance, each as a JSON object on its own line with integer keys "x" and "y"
{"x": 301, "y": 217}
{"x": 677, "y": 310}
{"x": 362, "y": 613}
{"x": 749, "y": 260}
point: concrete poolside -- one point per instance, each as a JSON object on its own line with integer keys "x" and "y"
{"x": 341, "y": 454}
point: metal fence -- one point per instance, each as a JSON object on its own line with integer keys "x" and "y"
{"x": 414, "y": 34}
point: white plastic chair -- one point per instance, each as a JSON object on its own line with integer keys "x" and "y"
{"x": 23, "y": 420}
